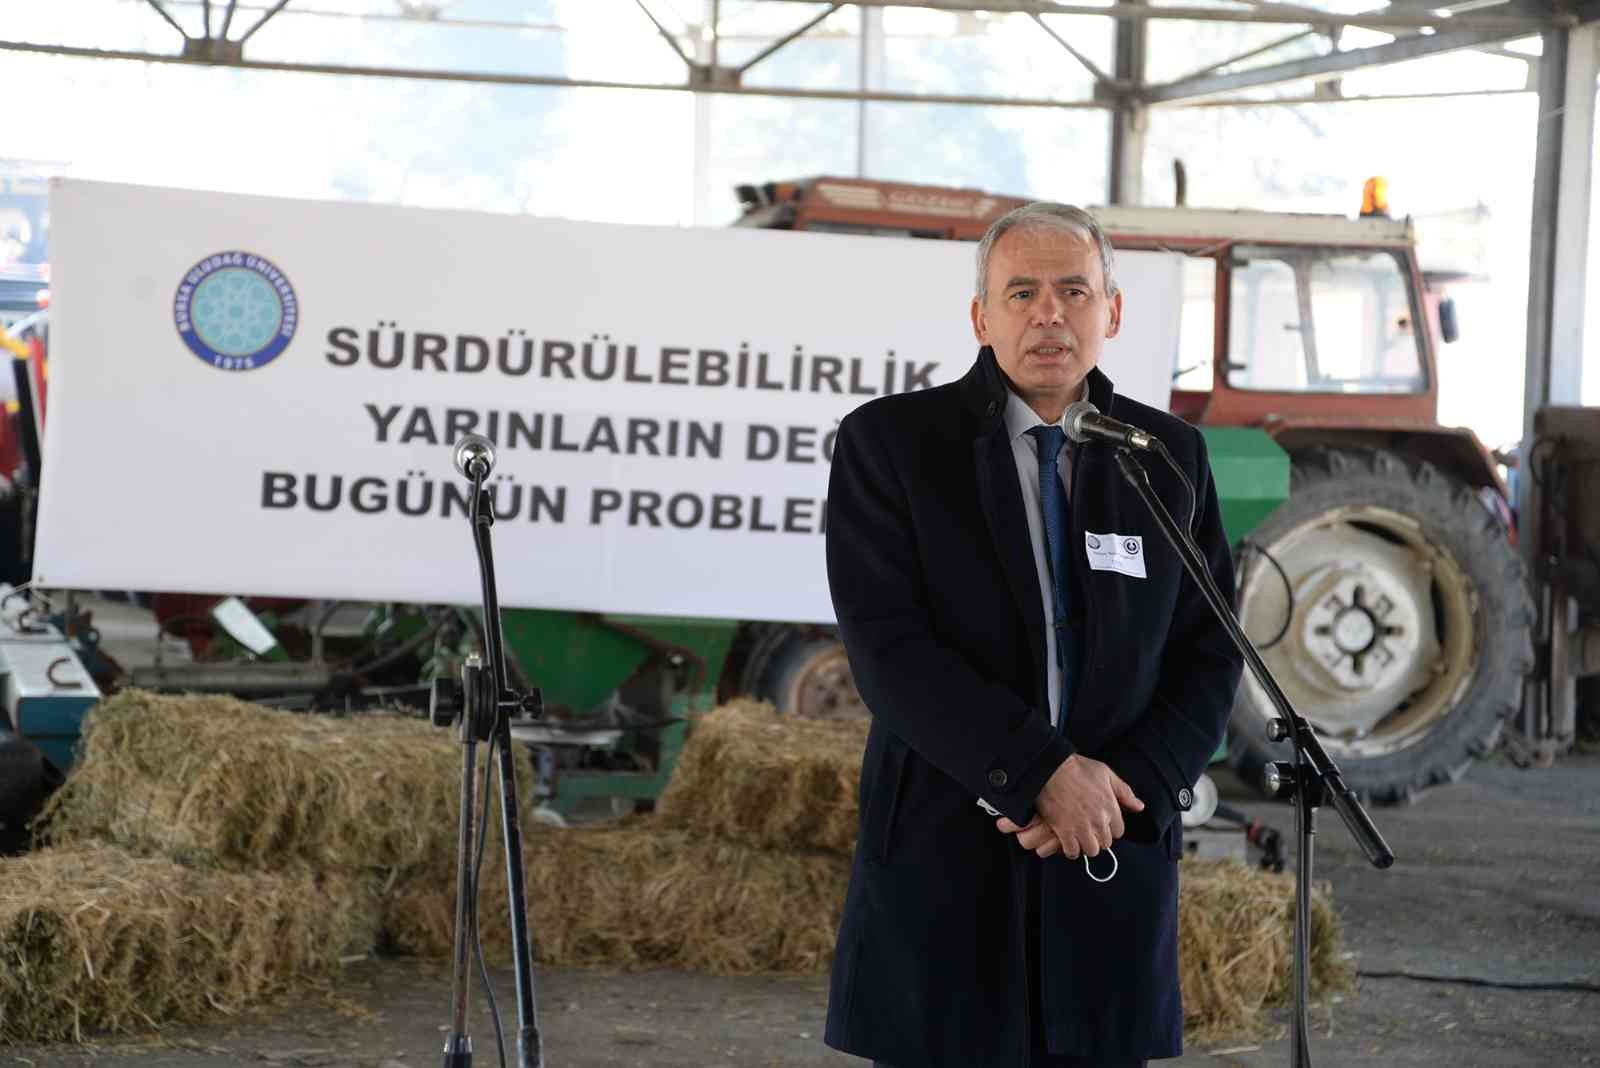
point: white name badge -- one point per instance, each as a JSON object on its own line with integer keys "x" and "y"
{"x": 1122, "y": 553}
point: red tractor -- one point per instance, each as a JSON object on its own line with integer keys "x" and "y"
{"x": 1387, "y": 594}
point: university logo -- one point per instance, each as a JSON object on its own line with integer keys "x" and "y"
{"x": 1094, "y": 542}
{"x": 236, "y": 310}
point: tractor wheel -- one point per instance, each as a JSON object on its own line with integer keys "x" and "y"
{"x": 810, "y": 677}
{"x": 1398, "y": 621}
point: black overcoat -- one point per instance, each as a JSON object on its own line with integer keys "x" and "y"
{"x": 933, "y": 580}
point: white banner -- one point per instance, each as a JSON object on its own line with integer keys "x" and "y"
{"x": 260, "y": 396}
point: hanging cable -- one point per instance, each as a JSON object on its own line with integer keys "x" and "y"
{"x": 1580, "y": 985}
{"x": 1288, "y": 591}
{"x": 477, "y": 871}
{"x": 1160, "y": 449}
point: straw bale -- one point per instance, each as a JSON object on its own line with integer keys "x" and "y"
{"x": 220, "y": 782}
{"x": 95, "y": 940}
{"x": 749, "y": 775}
{"x": 1236, "y": 946}
{"x": 633, "y": 895}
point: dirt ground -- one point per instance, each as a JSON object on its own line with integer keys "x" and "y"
{"x": 1480, "y": 947}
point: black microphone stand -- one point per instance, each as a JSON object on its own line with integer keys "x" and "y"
{"x": 482, "y": 705}
{"x": 1311, "y": 780}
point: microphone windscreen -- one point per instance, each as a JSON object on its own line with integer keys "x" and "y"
{"x": 474, "y": 449}
{"x": 1072, "y": 420}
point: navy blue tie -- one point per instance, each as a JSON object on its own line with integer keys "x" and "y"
{"x": 1053, "y": 503}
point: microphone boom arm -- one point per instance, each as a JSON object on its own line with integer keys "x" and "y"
{"x": 1313, "y": 776}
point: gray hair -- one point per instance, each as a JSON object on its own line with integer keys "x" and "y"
{"x": 1046, "y": 214}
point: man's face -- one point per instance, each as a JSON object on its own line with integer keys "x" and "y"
{"x": 1047, "y": 315}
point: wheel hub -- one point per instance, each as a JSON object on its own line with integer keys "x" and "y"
{"x": 1369, "y": 630}
{"x": 1361, "y": 631}
{"x": 1354, "y": 630}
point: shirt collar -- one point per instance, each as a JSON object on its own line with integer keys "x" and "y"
{"x": 1020, "y": 418}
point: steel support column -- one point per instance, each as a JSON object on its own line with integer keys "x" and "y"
{"x": 1125, "y": 177}
{"x": 874, "y": 57}
{"x": 1557, "y": 288}
{"x": 704, "y": 197}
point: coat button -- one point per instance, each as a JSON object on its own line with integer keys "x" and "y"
{"x": 997, "y": 778}
{"x": 1185, "y": 798}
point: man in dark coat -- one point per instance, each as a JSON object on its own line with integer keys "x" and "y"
{"x": 1071, "y": 676}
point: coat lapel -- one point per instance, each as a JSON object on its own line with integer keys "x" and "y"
{"x": 1001, "y": 495}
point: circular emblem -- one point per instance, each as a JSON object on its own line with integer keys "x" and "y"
{"x": 1094, "y": 542}
{"x": 236, "y": 310}
{"x": 1130, "y": 546}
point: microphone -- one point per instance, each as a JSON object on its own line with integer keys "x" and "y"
{"x": 1084, "y": 423}
{"x": 474, "y": 457}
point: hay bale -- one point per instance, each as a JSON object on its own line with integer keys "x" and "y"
{"x": 1236, "y": 946}
{"x": 752, "y": 776}
{"x": 93, "y": 939}
{"x": 220, "y": 782}
{"x": 634, "y": 895}
{"x": 638, "y": 895}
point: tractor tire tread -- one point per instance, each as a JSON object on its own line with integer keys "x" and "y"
{"x": 1504, "y": 656}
